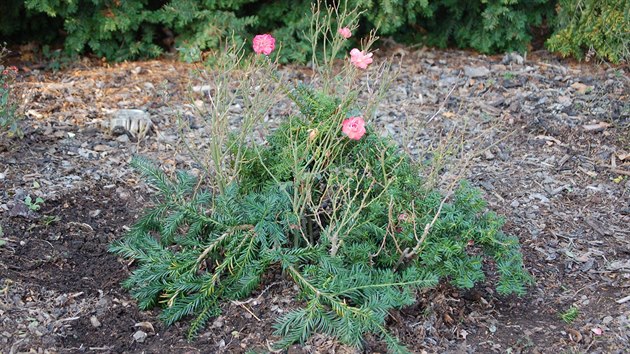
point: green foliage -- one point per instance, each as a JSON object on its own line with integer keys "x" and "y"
{"x": 394, "y": 16}
{"x": 121, "y": 30}
{"x": 570, "y": 314}
{"x": 117, "y": 30}
{"x": 287, "y": 21}
{"x": 600, "y": 27}
{"x": 9, "y": 120}
{"x": 20, "y": 25}
{"x": 33, "y": 205}
{"x": 487, "y": 25}
{"x": 348, "y": 221}
{"x": 202, "y": 24}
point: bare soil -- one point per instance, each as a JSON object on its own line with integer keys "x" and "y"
{"x": 553, "y": 136}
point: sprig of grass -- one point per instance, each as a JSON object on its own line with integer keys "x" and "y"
{"x": 570, "y": 315}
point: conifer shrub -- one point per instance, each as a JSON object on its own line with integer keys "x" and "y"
{"x": 593, "y": 27}
{"x": 122, "y": 30}
{"x": 323, "y": 198}
{"x": 489, "y": 26}
{"x": 20, "y": 25}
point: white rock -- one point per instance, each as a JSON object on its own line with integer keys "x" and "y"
{"x": 140, "y": 336}
{"x": 202, "y": 89}
{"x": 95, "y": 322}
{"x": 513, "y": 58}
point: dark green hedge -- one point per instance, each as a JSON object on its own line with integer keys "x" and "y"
{"x": 131, "y": 29}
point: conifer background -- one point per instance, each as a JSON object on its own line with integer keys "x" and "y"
{"x": 123, "y": 30}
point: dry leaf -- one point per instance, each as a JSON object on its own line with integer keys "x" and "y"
{"x": 147, "y": 326}
{"x": 574, "y": 335}
{"x": 581, "y": 88}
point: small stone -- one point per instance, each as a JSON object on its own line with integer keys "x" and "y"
{"x": 607, "y": 320}
{"x": 515, "y": 204}
{"x": 565, "y": 100}
{"x": 540, "y": 197}
{"x": 95, "y": 322}
{"x": 123, "y": 138}
{"x": 202, "y": 89}
{"x": 122, "y": 193}
{"x": 167, "y": 138}
{"x": 476, "y": 71}
{"x": 140, "y": 336}
{"x": 513, "y": 58}
{"x": 507, "y": 83}
{"x": 218, "y": 323}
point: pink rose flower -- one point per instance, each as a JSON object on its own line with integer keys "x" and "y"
{"x": 353, "y": 127}
{"x": 264, "y": 44}
{"x": 360, "y": 59}
{"x": 345, "y": 32}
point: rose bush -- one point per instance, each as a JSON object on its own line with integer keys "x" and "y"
{"x": 352, "y": 224}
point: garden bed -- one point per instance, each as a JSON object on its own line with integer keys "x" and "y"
{"x": 553, "y": 140}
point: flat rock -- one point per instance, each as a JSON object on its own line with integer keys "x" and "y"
{"x": 140, "y": 336}
{"x": 478, "y": 71}
{"x": 513, "y": 58}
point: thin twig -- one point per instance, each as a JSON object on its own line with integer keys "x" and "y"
{"x": 443, "y": 102}
{"x": 425, "y": 233}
